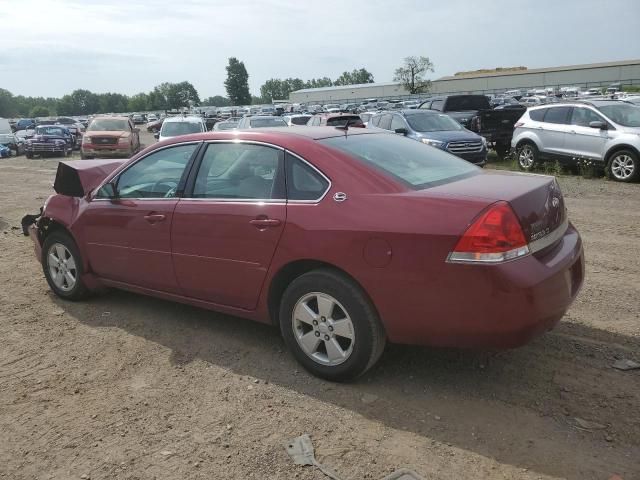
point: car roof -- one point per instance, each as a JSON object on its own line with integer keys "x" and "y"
{"x": 179, "y": 119}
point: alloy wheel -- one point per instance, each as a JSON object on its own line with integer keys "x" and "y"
{"x": 526, "y": 157}
{"x": 62, "y": 267}
{"x": 622, "y": 166}
{"x": 323, "y": 329}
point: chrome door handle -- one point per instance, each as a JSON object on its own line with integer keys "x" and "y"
{"x": 154, "y": 217}
{"x": 264, "y": 222}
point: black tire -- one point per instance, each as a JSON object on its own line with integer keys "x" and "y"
{"x": 527, "y": 156}
{"x": 78, "y": 290}
{"x": 29, "y": 155}
{"x": 623, "y": 166}
{"x": 368, "y": 334}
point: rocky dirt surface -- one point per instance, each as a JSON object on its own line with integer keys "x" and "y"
{"x": 128, "y": 387}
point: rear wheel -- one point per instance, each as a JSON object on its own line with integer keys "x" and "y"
{"x": 527, "y": 156}
{"x": 62, "y": 266}
{"x": 330, "y": 325}
{"x": 623, "y": 166}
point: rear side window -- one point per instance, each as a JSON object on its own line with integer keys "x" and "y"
{"x": 557, "y": 115}
{"x": 303, "y": 182}
{"x": 412, "y": 163}
{"x": 537, "y": 115}
{"x": 375, "y": 120}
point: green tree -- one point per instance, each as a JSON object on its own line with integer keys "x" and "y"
{"x": 39, "y": 111}
{"x": 237, "y": 82}
{"x": 216, "y": 101}
{"x": 139, "y": 103}
{"x": 183, "y": 94}
{"x": 7, "y": 104}
{"x": 411, "y": 74}
{"x": 112, "y": 102}
{"x": 318, "y": 83}
{"x": 355, "y": 77}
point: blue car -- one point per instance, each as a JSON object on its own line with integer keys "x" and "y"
{"x": 50, "y": 139}
{"x": 436, "y": 129}
{"x": 4, "y": 151}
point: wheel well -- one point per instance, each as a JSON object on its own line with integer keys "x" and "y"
{"x": 288, "y": 274}
{"x": 48, "y": 225}
{"x": 526, "y": 140}
{"x": 616, "y": 149}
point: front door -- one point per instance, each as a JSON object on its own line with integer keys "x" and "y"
{"x": 583, "y": 140}
{"x": 128, "y": 237}
{"x": 226, "y": 229}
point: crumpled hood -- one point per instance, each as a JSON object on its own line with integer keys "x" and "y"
{"x": 76, "y": 178}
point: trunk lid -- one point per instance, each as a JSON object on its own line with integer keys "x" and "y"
{"x": 536, "y": 199}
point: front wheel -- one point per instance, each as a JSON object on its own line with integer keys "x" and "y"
{"x": 527, "y": 156}
{"x": 330, "y": 326}
{"x": 62, "y": 266}
{"x": 623, "y": 166}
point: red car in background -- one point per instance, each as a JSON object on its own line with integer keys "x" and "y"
{"x": 343, "y": 238}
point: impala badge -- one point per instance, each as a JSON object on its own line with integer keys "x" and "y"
{"x": 555, "y": 202}
{"x": 339, "y": 196}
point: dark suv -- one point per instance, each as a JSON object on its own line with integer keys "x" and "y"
{"x": 436, "y": 129}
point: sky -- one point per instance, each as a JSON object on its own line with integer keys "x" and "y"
{"x": 52, "y": 47}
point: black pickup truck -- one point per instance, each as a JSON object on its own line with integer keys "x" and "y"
{"x": 474, "y": 112}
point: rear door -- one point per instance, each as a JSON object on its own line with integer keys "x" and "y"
{"x": 226, "y": 229}
{"x": 583, "y": 140}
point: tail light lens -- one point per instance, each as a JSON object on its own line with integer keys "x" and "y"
{"x": 495, "y": 236}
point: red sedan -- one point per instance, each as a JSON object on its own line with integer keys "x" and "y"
{"x": 343, "y": 239}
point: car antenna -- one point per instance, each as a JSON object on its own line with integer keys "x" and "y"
{"x": 344, "y": 127}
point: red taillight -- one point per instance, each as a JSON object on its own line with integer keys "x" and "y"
{"x": 495, "y": 236}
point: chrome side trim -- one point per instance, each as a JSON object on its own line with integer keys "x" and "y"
{"x": 252, "y": 142}
{"x": 240, "y": 201}
{"x": 550, "y": 238}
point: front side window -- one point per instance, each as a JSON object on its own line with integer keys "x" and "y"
{"x": 557, "y": 115}
{"x": 437, "y": 105}
{"x": 240, "y": 171}
{"x": 583, "y": 117}
{"x": 155, "y": 176}
{"x": 412, "y": 163}
{"x": 397, "y": 122}
{"x": 303, "y": 182}
{"x": 385, "y": 121}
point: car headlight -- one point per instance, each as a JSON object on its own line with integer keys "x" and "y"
{"x": 86, "y": 139}
{"x": 123, "y": 140}
{"x": 433, "y": 143}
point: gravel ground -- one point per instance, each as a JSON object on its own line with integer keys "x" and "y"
{"x": 128, "y": 387}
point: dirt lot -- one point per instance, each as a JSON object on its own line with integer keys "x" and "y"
{"x": 128, "y": 387}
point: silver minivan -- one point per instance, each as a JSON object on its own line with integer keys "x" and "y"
{"x": 604, "y": 131}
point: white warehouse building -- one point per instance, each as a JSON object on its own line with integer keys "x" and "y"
{"x": 586, "y": 76}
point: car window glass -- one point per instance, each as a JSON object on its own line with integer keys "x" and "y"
{"x": 385, "y": 121}
{"x": 303, "y": 182}
{"x": 397, "y": 122}
{"x": 239, "y": 170}
{"x": 375, "y": 120}
{"x": 537, "y": 115}
{"x": 584, "y": 116}
{"x": 437, "y": 105}
{"x": 155, "y": 176}
{"x": 556, "y": 115}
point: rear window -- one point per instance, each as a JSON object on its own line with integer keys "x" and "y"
{"x": 413, "y": 163}
{"x": 173, "y": 129}
{"x": 267, "y": 122}
{"x": 557, "y": 115}
{"x": 342, "y": 121}
{"x": 470, "y": 102}
{"x": 300, "y": 120}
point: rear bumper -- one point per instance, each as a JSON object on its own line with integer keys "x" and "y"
{"x": 488, "y": 306}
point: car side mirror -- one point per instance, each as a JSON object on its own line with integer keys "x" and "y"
{"x": 598, "y": 124}
{"x": 402, "y": 131}
{"x": 156, "y": 135}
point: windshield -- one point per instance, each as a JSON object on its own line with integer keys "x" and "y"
{"x": 623, "y": 114}
{"x": 426, "y": 122}
{"x": 413, "y": 163}
{"x": 50, "y": 131}
{"x": 267, "y": 122}
{"x": 173, "y": 129}
{"x": 467, "y": 102}
{"x": 108, "y": 125}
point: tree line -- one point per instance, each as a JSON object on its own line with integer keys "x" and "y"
{"x": 170, "y": 96}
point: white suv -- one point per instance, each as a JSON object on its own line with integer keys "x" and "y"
{"x": 179, "y": 125}
{"x": 606, "y": 131}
